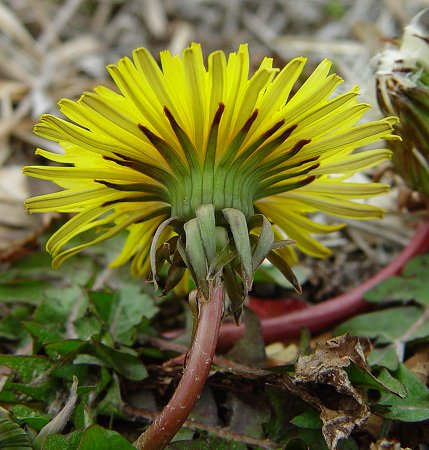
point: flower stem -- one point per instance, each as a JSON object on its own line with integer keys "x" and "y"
{"x": 196, "y": 371}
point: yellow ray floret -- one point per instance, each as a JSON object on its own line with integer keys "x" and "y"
{"x": 181, "y": 133}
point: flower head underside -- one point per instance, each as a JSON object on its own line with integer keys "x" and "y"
{"x": 181, "y": 135}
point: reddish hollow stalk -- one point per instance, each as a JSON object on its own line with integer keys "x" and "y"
{"x": 195, "y": 373}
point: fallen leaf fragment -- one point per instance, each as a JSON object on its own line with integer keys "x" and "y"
{"x": 329, "y": 389}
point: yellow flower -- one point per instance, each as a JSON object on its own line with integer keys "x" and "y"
{"x": 180, "y": 135}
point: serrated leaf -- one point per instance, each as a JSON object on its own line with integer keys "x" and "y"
{"x": 124, "y": 311}
{"x": 125, "y": 364}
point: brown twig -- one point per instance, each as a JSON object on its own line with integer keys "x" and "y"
{"x": 172, "y": 417}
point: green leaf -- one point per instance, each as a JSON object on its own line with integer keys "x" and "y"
{"x": 12, "y": 436}
{"x": 313, "y": 438}
{"x": 122, "y": 362}
{"x": 68, "y": 371}
{"x": 27, "y": 367}
{"x": 308, "y": 419}
{"x": 103, "y": 302}
{"x": 82, "y": 416}
{"x": 37, "y": 264}
{"x": 387, "y": 325}
{"x": 25, "y": 415}
{"x": 44, "y": 392}
{"x": 364, "y": 378}
{"x": 415, "y": 406}
{"x": 401, "y": 289}
{"x": 98, "y": 438}
{"x": 44, "y": 333}
{"x": 112, "y": 403}
{"x": 383, "y": 357}
{"x": 129, "y": 306}
{"x": 11, "y": 325}
{"x": 392, "y": 383}
{"x": 418, "y": 267}
{"x": 410, "y": 285}
{"x": 58, "y": 304}
{"x": 284, "y": 407}
{"x": 63, "y": 348}
{"x": 125, "y": 364}
{"x": 30, "y": 292}
{"x": 60, "y": 442}
{"x": 123, "y": 311}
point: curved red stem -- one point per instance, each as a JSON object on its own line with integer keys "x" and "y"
{"x": 196, "y": 371}
{"x": 330, "y": 312}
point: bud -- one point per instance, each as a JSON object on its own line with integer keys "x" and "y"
{"x": 402, "y": 78}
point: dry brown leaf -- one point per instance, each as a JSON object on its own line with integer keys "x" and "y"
{"x": 328, "y": 388}
{"x": 419, "y": 364}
